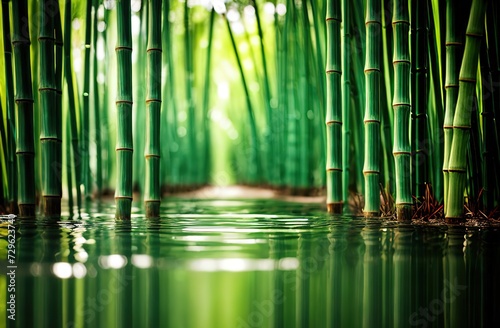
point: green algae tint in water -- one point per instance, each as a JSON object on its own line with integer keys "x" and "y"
{"x": 243, "y": 264}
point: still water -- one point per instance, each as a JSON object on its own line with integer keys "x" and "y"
{"x": 245, "y": 264}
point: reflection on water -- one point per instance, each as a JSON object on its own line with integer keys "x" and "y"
{"x": 242, "y": 264}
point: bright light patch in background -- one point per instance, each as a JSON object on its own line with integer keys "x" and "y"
{"x": 101, "y": 26}
{"x": 36, "y": 269}
{"x": 109, "y": 4}
{"x": 62, "y": 270}
{"x": 136, "y": 25}
{"x": 142, "y": 261}
{"x": 219, "y": 6}
{"x": 288, "y": 263}
{"x": 75, "y": 24}
{"x": 223, "y": 90}
{"x": 249, "y": 12}
{"x": 135, "y": 5}
{"x": 181, "y": 131}
{"x": 114, "y": 261}
{"x": 269, "y": 8}
{"x": 233, "y": 15}
{"x": 281, "y": 9}
{"x": 79, "y": 270}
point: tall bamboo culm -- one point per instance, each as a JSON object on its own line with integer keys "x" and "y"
{"x": 334, "y": 201}
{"x": 420, "y": 96}
{"x": 25, "y": 146}
{"x": 50, "y": 139}
{"x": 124, "y": 144}
{"x": 11, "y": 115}
{"x": 346, "y": 99}
{"x": 457, "y": 164}
{"x": 401, "y": 106}
{"x": 371, "y": 169}
{"x": 454, "y": 50}
{"x": 152, "y": 196}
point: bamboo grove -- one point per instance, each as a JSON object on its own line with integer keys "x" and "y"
{"x": 145, "y": 98}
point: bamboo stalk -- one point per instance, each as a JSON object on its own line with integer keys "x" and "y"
{"x": 25, "y": 148}
{"x": 49, "y": 133}
{"x": 152, "y": 195}
{"x": 10, "y": 109}
{"x": 419, "y": 102}
{"x": 462, "y": 119}
{"x": 85, "y": 115}
{"x": 58, "y": 42}
{"x": 206, "y": 100}
{"x": 346, "y": 99}
{"x": 124, "y": 144}
{"x": 401, "y": 105}
{"x": 192, "y": 163}
{"x": 97, "y": 106}
{"x": 334, "y": 201}
{"x": 254, "y": 156}
{"x": 371, "y": 168}
{"x": 72, "y": 105}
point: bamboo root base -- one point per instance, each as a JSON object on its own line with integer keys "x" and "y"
{"x": 27, "y": 211}
{"x": 404, "y": 213}
{"x": 369, "y": 215}
{"x": 123, "y": 208}
{"x": 152, "y": 209}
{"x": 51, "y": 206}
{"x": 454, "y": 220}
{"x": 335, "y": 208}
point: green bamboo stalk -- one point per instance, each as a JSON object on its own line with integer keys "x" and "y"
{"x": 346, "y": 99}
{"x": 192, "y": 163}
{"x": 206, "y": 100}
{"x": 254, "y": 156}
{"x": 491, "y": 98}
{"x": 25, "y": 148}
{"x": 72, "y": 105}
{"x": 10, "y": 109}
{"x": 3, "y": 159}
{"x": 334, "y": 201}
{"x": 69, "y": 168}
{"x": 371, "y": 168}
{"x": 420, "y": 158}
{"x": 124, "y": 144}
{"x": 401, "y": 105}
{"x": 454, "y": 49}
{"x": 269, "y": 153}
{"x": 58, "y": 42}
{"x": 462, "y": 119}
{"x": 49, "y": 138}
{"x": 85, "y": 115}
{"x": 489, "y": 136}
{"x": 152, "y": 194}
{"x": 97, "y": 106}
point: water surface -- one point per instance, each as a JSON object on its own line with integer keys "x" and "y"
{"x": 250, "y": 263}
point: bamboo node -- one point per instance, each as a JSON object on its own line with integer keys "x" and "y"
{"x": 457, "y": 170}
{"x": 401, "y": 152}
{"x": 332, "y": 169}
{"x": 474, "y": 35}
{"x": 373, "y": 22}
{"x": 153, "y": 100}
{"x": 332, "y": 122}
{"x": 44, "y": 139}
{"x": 451, "y": 85}
{"x": 49, "y": 38}
{"x": 367, "y": 70}
{"x": 467, "y": 79}
{"x": 151, "y": 156}
{"x": 123, "y": 197}
{"x": 453, "y": 43}
{"x": 328, "y": 19}
{"x": 47, "y": 89}
{"x": 154, "y": 49}
{"x": 124, "y": 102}
{"x": 462, "y": 127}
{"x": 401, "y": 104}
{"x": 124, "y": 149}
{"x": 366, "y": 172}
{"x": 402, "y": 61}
{"x": 18, "y": 100}
{"x": 372, "y": 121}
{"x": 400, "y": 21}
{"x": 117, "y": 48}
{"x": 331, "y": 71}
